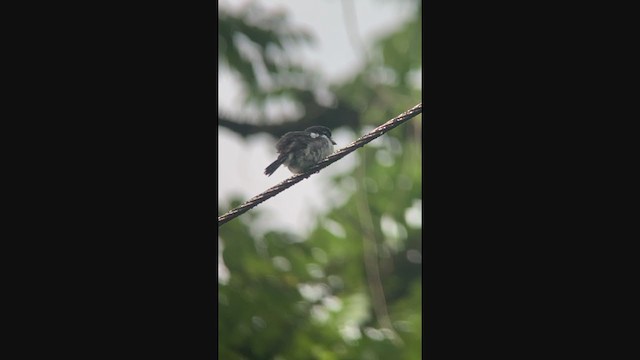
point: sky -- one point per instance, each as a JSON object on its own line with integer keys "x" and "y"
{"x": 335, "y": 54}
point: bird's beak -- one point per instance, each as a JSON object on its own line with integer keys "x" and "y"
{"x": 333, "y": 142}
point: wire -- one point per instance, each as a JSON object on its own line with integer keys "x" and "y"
{"x": 363, "y": 140}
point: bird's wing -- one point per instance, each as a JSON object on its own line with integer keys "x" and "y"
{"x": 293, "y": 141}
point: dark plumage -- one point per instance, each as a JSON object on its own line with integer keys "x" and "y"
{"x": 299, "y": 150}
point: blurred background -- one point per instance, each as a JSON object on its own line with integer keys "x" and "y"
{"x": 331, "y": 267}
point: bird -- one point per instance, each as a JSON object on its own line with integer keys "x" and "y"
{"x": 300, "y": 150}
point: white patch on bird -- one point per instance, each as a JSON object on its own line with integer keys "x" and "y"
{"x": 314, "y": 135}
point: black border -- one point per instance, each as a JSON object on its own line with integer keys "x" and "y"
{"x": 121, "y": 145}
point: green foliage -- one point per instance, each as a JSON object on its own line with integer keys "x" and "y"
{"x": 255, "y": 45}
{"x": 402, "y": 50}
{"x": 312, "y": 299}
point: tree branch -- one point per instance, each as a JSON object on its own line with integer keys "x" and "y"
{"x": 341, "y": 115}
{"x": 365, "y": 139}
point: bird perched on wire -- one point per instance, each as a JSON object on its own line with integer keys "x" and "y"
{"x": 299, "y": 150}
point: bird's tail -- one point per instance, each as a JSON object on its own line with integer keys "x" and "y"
{"x": 274, "y": 165}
